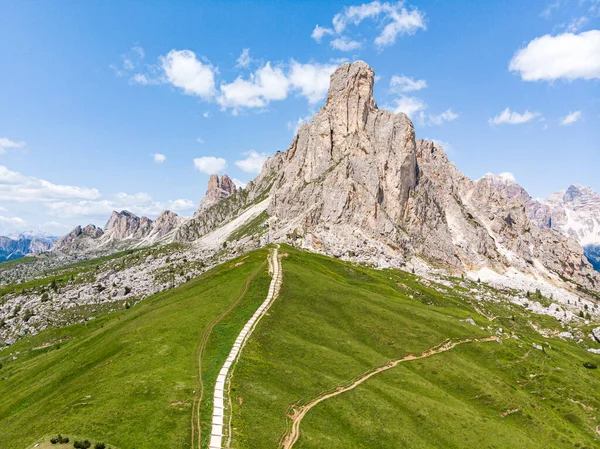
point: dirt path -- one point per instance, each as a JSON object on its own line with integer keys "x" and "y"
{"x": 195, "y": 419}
{"x": 291, "y": 436}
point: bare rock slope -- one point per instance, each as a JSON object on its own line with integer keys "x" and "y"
{"x": 355, "y": 183}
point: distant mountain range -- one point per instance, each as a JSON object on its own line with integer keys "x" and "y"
{"x": 356, "y": 184}
{"x": 19, "y": 245}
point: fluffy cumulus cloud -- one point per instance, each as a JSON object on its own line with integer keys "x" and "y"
{"x": 253, "y": 162}
{"x": 409, "y": 105}
{"x": 138, "y": 203}
{"x": 196, "y": 76}
{"x": 508, "y": 117}
{"x": 17, "y": 187}
{"x": 275, "y": 83}
{"x": 414, "y": 107}
{"x": 401, "y": 83}
{"x": 159, "y": 158}
{"x": 184, "y": 70}
{"x": 311, "y": 79}
{"x": 571, "y": 118}
{"x": 567, "y": 56}
{"x": 6, "y": 144}
{"x": 266, "y": 84}
{"x": 210, "y": 164}
{"x": 392, "y": 19}
{"x": 344, "y": 44}
{"x": 319, "y": 32}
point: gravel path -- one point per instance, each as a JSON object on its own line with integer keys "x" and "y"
{"x": 216, "y": 435}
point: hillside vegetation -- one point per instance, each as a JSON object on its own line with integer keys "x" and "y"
{"x": 130, "y": 378}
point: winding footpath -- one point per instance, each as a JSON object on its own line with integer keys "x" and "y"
{"x": 196, "y": 428}
{"x": 216, "y": 435}
{"x": 291, "y": 436}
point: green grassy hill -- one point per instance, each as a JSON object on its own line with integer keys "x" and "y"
{"x": 130, "y": 378}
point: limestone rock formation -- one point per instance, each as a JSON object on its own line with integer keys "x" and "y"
{"x": 574, "y": 212}
{"x": 219, "y": 187}
{"x": 355, "y": 183}
{"x": 124, "y": 224}
{"x": 79, "y": 239}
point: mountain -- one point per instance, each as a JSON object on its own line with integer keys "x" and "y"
{"x": 122, "y": 230}
{"x": 219, "y": 187}
{"x": 574, "y": 212}
{"x": 355, "y": 183}
{"x": 19, "y": 245}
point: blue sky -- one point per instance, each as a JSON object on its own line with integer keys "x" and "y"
{"x": 93, "y": 93}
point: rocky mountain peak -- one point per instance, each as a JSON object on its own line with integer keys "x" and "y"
{"x": 219, "y": 187}
{"x": 125, "y": 224}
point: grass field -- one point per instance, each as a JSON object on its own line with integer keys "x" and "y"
{"x": 333, "y": 322}
{"x": 127, "y": 379}
{"x": 130, "y": 378}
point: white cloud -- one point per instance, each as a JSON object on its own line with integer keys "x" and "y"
{"x": 210, "y": 164}
{"x": 244, "y": 59}
{"x": 11, "y": 220}
{"x": 159, "y": 158}
{"x": 253, "y": 162}
{"x": 199, "y": 140}
{"x": 239, "y": 183}
{"x": 395, "y": 18}
{"x": 138, "y": 203}
{"x": 182, "y": 69}
{"x": 508, "y": 117}
{"x": 409, "y": 105}
{"x": 507, "y": 176}
{"x": 403, "y": 22}
{"x": 319, "y": 32}
{"x": 406, "y": 84}
{"x": 576, "y": 24}
{"x": 181, "y": 205}
{"x": 311, "y": 79}
{"x": 263, "y": 86}
{"x": 273, "y": 83}
{"x": 133, "y": 198}
{"x": 20, "y": 188}
{"x": 439, "y": 119}
{"x": 6, "y": 144}
{"x": 344, "y": 44}
{"x": 129, "y": 62}
{"x": 565, "y": 56}
{"x": 571, "y": 118}
{"x": 206, "y": 114}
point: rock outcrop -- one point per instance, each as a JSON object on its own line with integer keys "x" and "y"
{"x": 219, "y": 188}
{"x": 574, "y": 212}
{"x": 79, "y": 239}
{"x": 124, "y": 224}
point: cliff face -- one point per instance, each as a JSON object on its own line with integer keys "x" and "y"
{"x": 219, "y": 187}
{"x": 355, "y": 183}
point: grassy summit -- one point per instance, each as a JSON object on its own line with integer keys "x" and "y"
{"x": 130, "y": 378}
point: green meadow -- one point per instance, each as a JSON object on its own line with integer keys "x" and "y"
{"x": 130, "y": 378}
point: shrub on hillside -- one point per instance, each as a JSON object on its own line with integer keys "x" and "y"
{"x": 59, "y": 439}
{"x": 82, "y": 444}
{"x": 590, "y": 365}
{"x": 100, "y": 446}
